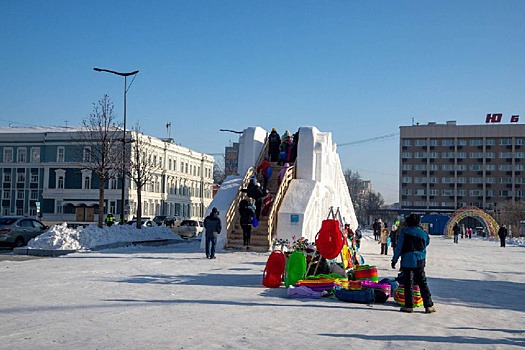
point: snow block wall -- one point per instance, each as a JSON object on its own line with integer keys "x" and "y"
{"x": 319, "y": 185}
{"x": 251, "y": 144}
{"x": 222, "y": 201}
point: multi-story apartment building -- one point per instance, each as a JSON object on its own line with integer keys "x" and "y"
{"x": 231, "y": 159}
{"x": 448, "y": 166}
{"x": 42, "y": 174}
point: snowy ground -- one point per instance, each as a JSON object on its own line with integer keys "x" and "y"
{"x": 171, "y": 297}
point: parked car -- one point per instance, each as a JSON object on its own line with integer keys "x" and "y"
{"x": 145, "y": 222}
{"x": 16, "y": 231}
{"x": 189, "y": 228}
{"x": 168, "y": 221}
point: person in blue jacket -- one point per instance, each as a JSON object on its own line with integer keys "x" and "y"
{"x": 411, "y": 248}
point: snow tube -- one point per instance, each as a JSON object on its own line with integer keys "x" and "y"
{"x": 364, "y": 296}
{"x": 329, "y": 240}
{"x": 399, "y": 296}
{"x": 295, "y": 268}
{"x": 366, "y": 272}
{"x": 274, "y": 270}
{"x": 382, "y": 287}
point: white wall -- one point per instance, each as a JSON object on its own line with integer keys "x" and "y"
{"x": 319, "y": 185}
{"x": 222, "y": 201}
{"x": 251, "y": 143}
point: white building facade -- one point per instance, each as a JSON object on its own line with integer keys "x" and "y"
{"x": 42, "y": 174}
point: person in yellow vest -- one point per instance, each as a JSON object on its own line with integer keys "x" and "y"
{"x": 110, "y": 220}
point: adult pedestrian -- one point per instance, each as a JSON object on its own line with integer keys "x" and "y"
{"x": 393, "y": 235}
{"x": 274, "y": 141}
{"x": 456, "y": 230}
{"x": 383, "y": 240}
{"x": 263, "y": 170}
{"x": 358, "y": 236}
{"x": 502, "y": 233}
{"x": 213, "y": 227}
{"x": 110, "y": 220}
{"x": 247, "y": 212}
{"x": 411, "y": 248}
{"x": 377, "y": 226}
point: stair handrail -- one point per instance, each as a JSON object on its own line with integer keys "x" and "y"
{"x": 289, "y": 175}
{"x": 232, "y": 214}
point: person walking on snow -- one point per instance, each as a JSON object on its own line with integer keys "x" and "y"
{"x": 456, "y": 230}
{"x": 502, "y": 233}
{"x": 263, "y": 168}
{"x": 212, "y": 225}
{"x": 411, "y": 248}
{"x": 383, "y": 240}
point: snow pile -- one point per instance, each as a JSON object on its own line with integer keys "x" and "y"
{"x": 63, "y": 238}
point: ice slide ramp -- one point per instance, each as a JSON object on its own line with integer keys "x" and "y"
{"x": 316, "y": 185}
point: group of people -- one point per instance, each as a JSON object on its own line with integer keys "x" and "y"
{"x": 282, "y": 149}
{"x": 384, "y": 235}
{"x": 461, "y": 230}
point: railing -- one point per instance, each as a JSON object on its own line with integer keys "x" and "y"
{"x": 232, "y": 214}
{"x": 289, "y": 175}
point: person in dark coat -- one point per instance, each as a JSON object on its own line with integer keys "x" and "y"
{"x": 247, "y": 211}
{"x": 274, "y": 141}
{"x": 456, "y": 230}
{"x": 411, "y": 248}
{"x": 502, "y": 233}
{"x": 257, "y": 193}
{"x": 293, "y": 152}
{"x": 212, "y": 225}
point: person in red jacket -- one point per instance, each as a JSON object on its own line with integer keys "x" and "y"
{"x": 262, "y": 169}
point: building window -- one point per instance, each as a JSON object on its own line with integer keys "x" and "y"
{"x": 406, "y": 167}
{"x": 505, "y": 154}
{"x": 21, "y": 177}
{"x": 420, "y": 180}
{"x": 433, "y": 142}
{"x": 35, "y": 155}
{"x": 519, "y": 142}
{"x": 86, "y": 156}
{"x": 421, "y": 142}
{"x": 448, "y": 180}
{"x": 447, "y": 167}
{"x": 520, "y": 167}
{"x": 447, "y": 142}
{"x": 113, "y": 183}
{"x": 34, "y": 178}
{"x": 7, "y": 177}
{"x": 476, "y": 167}
{"x": 462, "y": 142}
{"x": 407, "y": 179}
{"x": 476, "y": 180}
{"x": 420, "y": 192}
{"x": 59, "y": 209}
{"x": 476, "y": 142}
{"x": 6, "y": 194}
{"x": 21, "y": 155}
{"x": 447, "y": 192}
{"x": 505, "y": 142}
{"x": 447, "y": 155}
{"x": 19, "y": 211}
{"x": 112, "y": 207}
{"x": 475, "y": 193}
{"x": 61, "y": 154}
{"x": 86, "y": 179}
{"x": 490, "y": 142}
{"x": 434, "y": 192}
{"x": 462, "y": 155}
{"x": 420, "y": 155}
{"x": 20, "y": 195}
{"x": 490, "y": 155}
{"x": 60, "y": 182}
{"x": 473, "y": 155}
{"x": 505, "y": 167}
{"x": 34, "y": 195}
{"x": 8, "y": 155}
{"x": 490, "y": 167}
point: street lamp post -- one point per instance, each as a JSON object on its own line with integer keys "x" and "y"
{"x": 123, "y": 196}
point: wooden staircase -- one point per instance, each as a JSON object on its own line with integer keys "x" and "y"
{"x": 261, "y": 238}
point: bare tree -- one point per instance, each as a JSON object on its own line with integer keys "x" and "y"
{"x": 101, "y": 138}
{"x": 219, "y": 173}
{"x": 511, "y": 213}
{"x": 363, "y": 198}
{"x": 144, "y": 165}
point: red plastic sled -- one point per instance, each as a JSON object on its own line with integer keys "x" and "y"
{"x": 329, "y": 240}
{"x": 274, "y": 270}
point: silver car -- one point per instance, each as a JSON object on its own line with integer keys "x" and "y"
{"x": 16, "y": 231}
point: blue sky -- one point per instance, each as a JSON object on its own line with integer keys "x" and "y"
{"x": 359, "y": 69}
